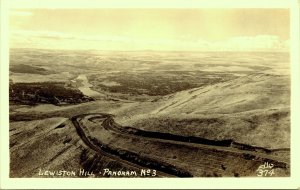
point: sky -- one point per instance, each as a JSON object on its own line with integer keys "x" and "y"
{"x": 151, "y": 29}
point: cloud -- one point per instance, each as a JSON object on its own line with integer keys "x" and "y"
{"x": 59, "y": 40}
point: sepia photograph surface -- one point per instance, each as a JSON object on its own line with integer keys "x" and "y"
{"x": 149, "y": 92}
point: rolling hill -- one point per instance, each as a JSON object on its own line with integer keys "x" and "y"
{"x": 252, "y": 109}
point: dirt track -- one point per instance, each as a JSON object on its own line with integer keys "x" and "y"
{"x": 127, "y": 145}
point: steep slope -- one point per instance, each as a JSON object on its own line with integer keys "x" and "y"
{"x": 252, "y": 109}
{"x": 251, "y": 92}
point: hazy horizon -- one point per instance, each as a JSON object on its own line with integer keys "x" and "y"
{"x": 151, "y": 29}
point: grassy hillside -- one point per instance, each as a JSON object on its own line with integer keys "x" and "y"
{"x": 252, "y": 110}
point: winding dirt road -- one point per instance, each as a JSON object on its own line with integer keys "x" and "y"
{"x": 173, "y": 155}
